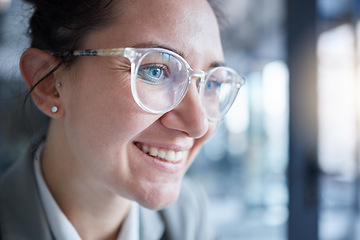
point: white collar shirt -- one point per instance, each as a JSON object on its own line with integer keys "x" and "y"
{"x": 60, "y": 225}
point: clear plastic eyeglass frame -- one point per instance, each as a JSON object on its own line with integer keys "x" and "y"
{"x": 136, "y": 56}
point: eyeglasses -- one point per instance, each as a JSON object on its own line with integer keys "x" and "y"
{"x": 161, "y": 78}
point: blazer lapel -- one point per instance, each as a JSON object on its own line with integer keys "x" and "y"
{"x": 21, "y": 212}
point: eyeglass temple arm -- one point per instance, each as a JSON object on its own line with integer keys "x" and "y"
{"x": 92, "y": 52}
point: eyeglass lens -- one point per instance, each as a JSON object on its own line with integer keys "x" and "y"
{"x": 162, "y": 82}
{"x": 220, "y": 91}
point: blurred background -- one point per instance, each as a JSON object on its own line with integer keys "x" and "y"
{"x": 284, "y": 164}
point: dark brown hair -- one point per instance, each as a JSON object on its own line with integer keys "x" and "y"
{"x": 61, "y": 25}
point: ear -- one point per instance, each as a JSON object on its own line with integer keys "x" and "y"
{"x": 34, "y": 66}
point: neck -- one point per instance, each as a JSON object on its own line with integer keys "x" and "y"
{"x": 95, "y": 211}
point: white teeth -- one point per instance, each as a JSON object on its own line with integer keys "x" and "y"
{"x": 153, "y": 152}
{"x": 145, "y": 149}
{"x": 168, "y": 155}
{"x": 161, "y": 154}
{"x": 179, "y": 156}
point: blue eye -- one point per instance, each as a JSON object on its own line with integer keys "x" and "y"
{"x": 153, "y": 73}
{"x": 212, "y": 85}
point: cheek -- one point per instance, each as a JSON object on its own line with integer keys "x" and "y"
{"x": 95, "y": 108}
{"x": 99, "y": 101}
{"x": 101, "y": 119}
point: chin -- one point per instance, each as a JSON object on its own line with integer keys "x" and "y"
{"x": 159, "y": 196}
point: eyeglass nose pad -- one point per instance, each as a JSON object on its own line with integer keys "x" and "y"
{"x": 199, "y": 75}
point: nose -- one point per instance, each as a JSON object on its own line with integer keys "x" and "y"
{"x": 189, "y": 116}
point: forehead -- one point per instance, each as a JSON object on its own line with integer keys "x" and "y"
{"x": 187, "y": 25}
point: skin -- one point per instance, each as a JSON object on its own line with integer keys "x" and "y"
{"x": 90, "y": 161}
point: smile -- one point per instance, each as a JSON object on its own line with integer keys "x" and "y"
{"x": 167, "y": 155}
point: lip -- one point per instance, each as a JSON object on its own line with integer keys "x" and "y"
{"x": 173, "y": 147}
{"x": 162, "y": 165}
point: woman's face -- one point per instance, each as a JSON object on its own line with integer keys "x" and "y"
{"x": 107, "y": 132}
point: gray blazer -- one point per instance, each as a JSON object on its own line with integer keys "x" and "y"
{"x": 22, "y": 215}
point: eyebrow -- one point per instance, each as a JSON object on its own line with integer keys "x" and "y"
{"x": 217, "y": 64}
{"x": 155, "y": 45}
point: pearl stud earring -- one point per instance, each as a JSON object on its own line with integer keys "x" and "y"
{"x": 54, "y": 109}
